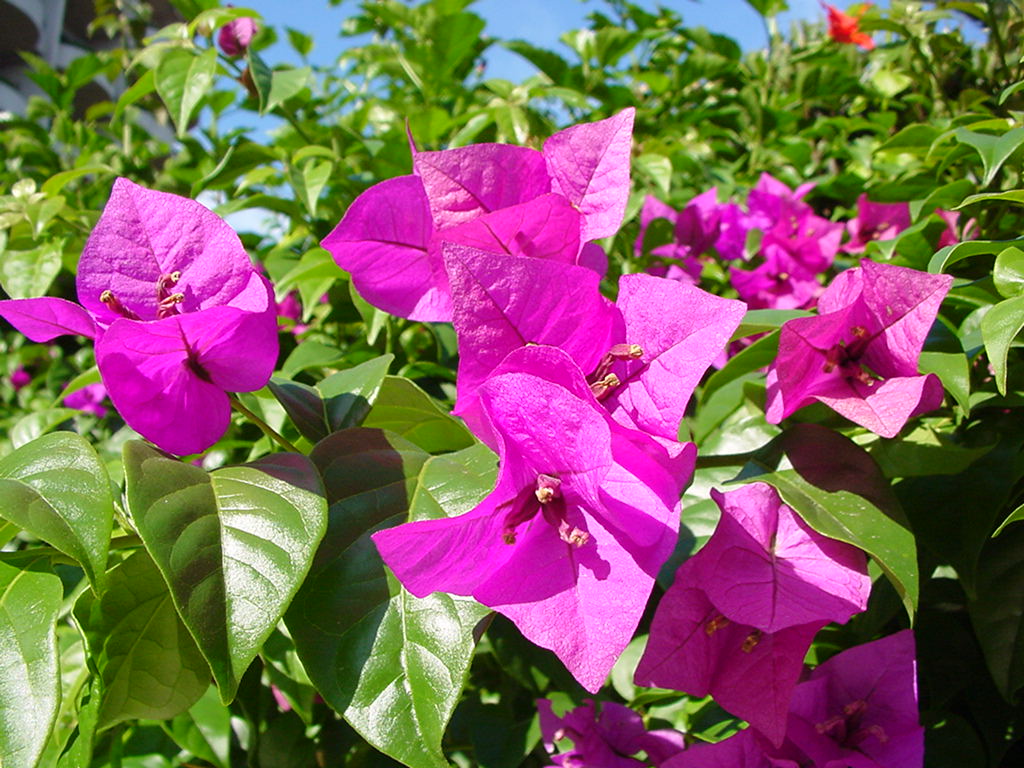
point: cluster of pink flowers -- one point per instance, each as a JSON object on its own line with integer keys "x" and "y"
{"x": 797, "y": 246}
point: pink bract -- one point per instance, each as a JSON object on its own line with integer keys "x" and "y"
{"x": 568, "y": 543}
{"x": 859, "y": 355}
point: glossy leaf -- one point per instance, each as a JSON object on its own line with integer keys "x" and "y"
{"x": 1009, "y": 273}
{"x": 233, "y": 545}
{"x": 405, "y": 409}
{"x": 951, "y": 254}
{"x": 764, "y": 320}
{"x": 392, "y": 664}
{"x": 999, "y": 327}
{"x": 57, "y": 488}
{"x": 30, "y": 600}
{"x": 341, "y": 400}
{"x": 182, "y": 80}
{"x": 148, "y": 661}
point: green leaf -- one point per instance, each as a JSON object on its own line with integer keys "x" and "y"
{"x": 657, "y": 168}
{"x": 1012, "y": 196}
{"x": 309, "y": 181}
{"x": 148, "y": 661}
{"x": 349, "y": 395}
{"x": 999, "y": 327}
{"x": 144, "y": 86}
{"x": 233, "y": 545}
{"x": 951, "y": 254}
{"x": 30, "y": 601}
{"x": 405, "y": 409}
{"x": 183, "y": 78}
{"x": 1009, "y": 272}
{"x": 753, "y": 358}
{"x": 311, "y": 354}
{"x": 34, "y": 425}
{"x": 392, "y": 664}
{"x": 341, "y": 400}
{"x": 837, "y": 488}
{"x": 57, "y": 488}
{"x": 205, "y": 730}
{"x": 763, "y": 320}
{"x": 1013, "y": 517}
{"x": 953, "y": 371}
{"x": 994, "y": 150}
{"x": 285, "y": 83}
{"x": 56, "y": 183}
{"x": 923, "y": 453}
{"x": 29, "y": 274}
{"x": 262, "y": 77}
{"x": 769, "y": 7}
{"x": 997, "y": 612}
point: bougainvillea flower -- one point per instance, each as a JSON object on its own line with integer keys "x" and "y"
{"x": 163, "y": 276}
{"x": 844, "y": 28}
{"x": 778, "y": 282}
{"x": 741, "y": 614}
{"x": 89, "y": 399}
{"x": 859, "y": 708}
{"x": 607, "y": 740}
{"x": 771, "y": 201}
{"x": 766, "y": 567}
{"x": 875, "y": 221}
{"x": 859, "y": 355}
{"x": 696, "y": 229}
{"x": 235, "y": 36}
{"x": 169, "y": 379}
{"x": 950, "y": 236}
{"x": 643, "y": 357}
{"x": 695, "y": 648}
{"x": 569, "y": 542}
{"x": 537, "y": 203}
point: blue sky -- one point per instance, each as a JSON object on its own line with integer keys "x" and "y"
{"x": 540, "y": 22}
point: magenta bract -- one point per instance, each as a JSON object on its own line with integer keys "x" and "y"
{"x": 875, "y": 221}
{"x": 859, "y": 708}
{"x": 741, "y": 614}
{"x": 568, "y": 543}
{"x": 496, "y": 197}
{"x": 178, "y": 312}
{"x": 235, "y": 36}
{"x": 859, "y": 355}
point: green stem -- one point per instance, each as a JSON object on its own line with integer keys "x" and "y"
{"x": 266, "y": 428}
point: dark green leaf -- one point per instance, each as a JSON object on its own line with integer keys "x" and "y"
{"x": 30, "y": 600}
{"x": 148, "y": 662}
{"x": 57, "y": 488}
{"x": 311, "y": 354}
{"x": 753, "y": 358}
{"x": 205, "y": 730}
{"x": 405, "y": 409}
{"x": 392, "y": 664}
{"x": 998, "y": 610}
{"x": 233, "y": 545}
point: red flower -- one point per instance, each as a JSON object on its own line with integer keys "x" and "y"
{"x": 842, "y": 28}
